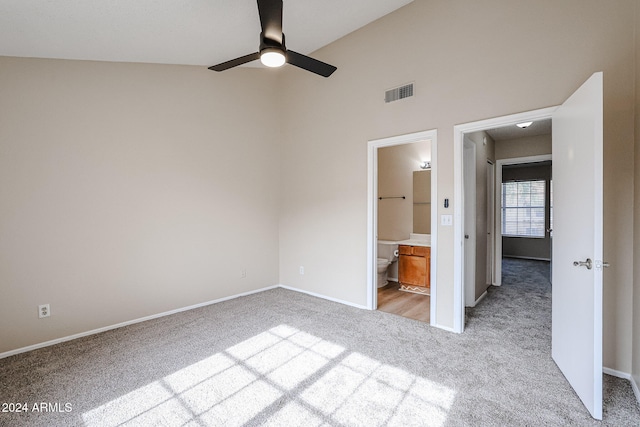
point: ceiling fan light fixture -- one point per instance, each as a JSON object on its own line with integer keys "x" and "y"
{"x": 524, "y": 125}
{"x": 272, "y": 57}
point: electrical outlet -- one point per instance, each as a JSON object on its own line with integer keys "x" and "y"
{"x": 44, "y": 310}
{"x": 243, "y": 273}
{"x": 302, "y": 270}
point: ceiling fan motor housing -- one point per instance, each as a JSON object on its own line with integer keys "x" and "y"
{"x": 267, "y": 43}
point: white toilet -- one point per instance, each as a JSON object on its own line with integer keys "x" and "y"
{"x": 387, "y": 255}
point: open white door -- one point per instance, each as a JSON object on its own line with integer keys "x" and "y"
{"x": 577, "y": 237}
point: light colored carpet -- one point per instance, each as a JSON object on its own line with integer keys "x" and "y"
{"x": 283, "y": 358}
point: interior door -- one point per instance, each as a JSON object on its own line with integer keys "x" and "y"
{"x": 577, "y": 242}
{"x": 469, "y": 191}
{"x": 491, "y": 186}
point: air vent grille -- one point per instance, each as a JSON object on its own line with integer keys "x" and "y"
{"x": 398, "y": 93}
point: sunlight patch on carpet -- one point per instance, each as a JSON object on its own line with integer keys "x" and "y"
{"x": 282, "y": 376}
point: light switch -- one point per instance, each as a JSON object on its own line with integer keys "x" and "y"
{"x": 446, "y": 220}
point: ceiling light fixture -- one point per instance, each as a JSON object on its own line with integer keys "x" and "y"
{"x": 524, "y": 125}
{"x": 272, "y": 57}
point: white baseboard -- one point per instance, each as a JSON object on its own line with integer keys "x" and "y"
{"x": 626, "y": 376}
{"x": 533, "y": 258}
{"x": 313, "y": 294}
{"x": 615, "y": 373}
{"x": 481, "y": 297}
{"x": 127, "y": 323}
{"x": 636, "y": 389}
{"x": 444, "y": 328}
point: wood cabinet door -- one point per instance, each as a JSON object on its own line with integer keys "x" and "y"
{"x": 405, "y": 250}
{"x": 412, "y": 270}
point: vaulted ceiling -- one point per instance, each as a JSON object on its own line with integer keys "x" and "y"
{"x": 194, "y": 32}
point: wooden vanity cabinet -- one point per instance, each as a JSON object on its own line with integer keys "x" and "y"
{"x": 414, "y": 266}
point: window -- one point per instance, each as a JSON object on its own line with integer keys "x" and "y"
{"x": 523, "y": 206}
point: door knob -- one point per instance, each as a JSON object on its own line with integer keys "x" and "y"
{"x": 588, "y": 263}
{"x": 466, "y": 236}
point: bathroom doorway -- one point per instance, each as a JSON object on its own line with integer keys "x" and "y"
{"x": 414, "y": 224}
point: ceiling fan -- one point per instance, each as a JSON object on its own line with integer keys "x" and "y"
{"x": 273, "y": 52}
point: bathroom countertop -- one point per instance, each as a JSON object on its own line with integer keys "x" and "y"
{"x": 414, "y": 242}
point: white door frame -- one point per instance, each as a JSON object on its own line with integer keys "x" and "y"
{"x": 498, "y": 207}
{"x": 372, "y": 212}
{"x": 458, "y": 202}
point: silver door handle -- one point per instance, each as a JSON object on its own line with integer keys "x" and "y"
{"x": 588, "y": 263}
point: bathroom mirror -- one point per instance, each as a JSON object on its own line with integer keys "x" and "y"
{"x": 422, "y": 202}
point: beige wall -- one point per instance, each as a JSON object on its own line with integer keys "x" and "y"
{"x": 469, "y": 61}
{"x": 128, "y": 190}
{"x": 636, "y": 226}
{"x": 422, "y": 202}
{"x": 396, "y": 165}
{"x": 115, "y": 178}
{"x": 523, "y": 147}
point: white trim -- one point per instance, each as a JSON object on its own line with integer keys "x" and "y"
{"x": 372, "y": 212}
{"x": 625, "y": 376}
{"x": 480, "y": 298}
{"x": 168, "y": 313}
{"x": 636, "y": 389}
{"x": 328, "y": 298}
{"x": 458, "y": 207}
{"x": 533, "y": 258}
{"x": 615, "y": 373}
{"x": 444, "y": 328}
{"x": 129, "y": 322}
{"x": 434, "y": 228}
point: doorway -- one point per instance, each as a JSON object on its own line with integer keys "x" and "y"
{"x": 541, "y": 249}
{"x": 372, "y": 214}
{"x": 577, "y": 145}
{"x": 459, "y": 203}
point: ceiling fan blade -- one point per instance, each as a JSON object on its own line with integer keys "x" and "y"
{"x": 310, "y": 64}
{"x": 235, "y": 62}
{"x": 271, "y": 19}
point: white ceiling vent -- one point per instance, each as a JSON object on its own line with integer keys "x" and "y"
{"x": 400, "y": 92}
